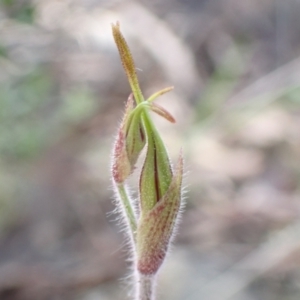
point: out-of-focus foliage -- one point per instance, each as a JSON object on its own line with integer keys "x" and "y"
{"x": 22, "y": 118}
{"x": 31, "y": 112}
{"x": 21, "y": 11}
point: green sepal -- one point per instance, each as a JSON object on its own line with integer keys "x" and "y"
{"x": 128, "y": 63}
{"x": 156, "y": 173}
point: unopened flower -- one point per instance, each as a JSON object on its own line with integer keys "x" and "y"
{"x": 156, "y": 225}
{"x": 130, "y": 142}
{"x": 160, "y": 200}
{"x": 152, "y": 227}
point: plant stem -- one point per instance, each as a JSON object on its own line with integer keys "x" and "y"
{"x": 128, "y": 208}
{"x": 146, "y": 285}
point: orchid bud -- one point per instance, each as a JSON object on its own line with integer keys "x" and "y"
{"x": 159, "y": 186}
{"x": 156, "y": 225}
{"x": 129, "y": 143}
{"x": 160, "y": 200}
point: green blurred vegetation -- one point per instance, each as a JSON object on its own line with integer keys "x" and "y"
{"x": 21, "y": 11}
{"x": 32, "y": 113}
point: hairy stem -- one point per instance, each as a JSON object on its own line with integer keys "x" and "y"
{"x": 146, "y": 284}
{"x": 128, "y": 208}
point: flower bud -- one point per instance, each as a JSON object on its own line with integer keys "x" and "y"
{"x": 156, "y": 225}
{"x": 129, "y": 143}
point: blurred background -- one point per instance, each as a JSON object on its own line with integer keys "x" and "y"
{"x": 235, "y": 66}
